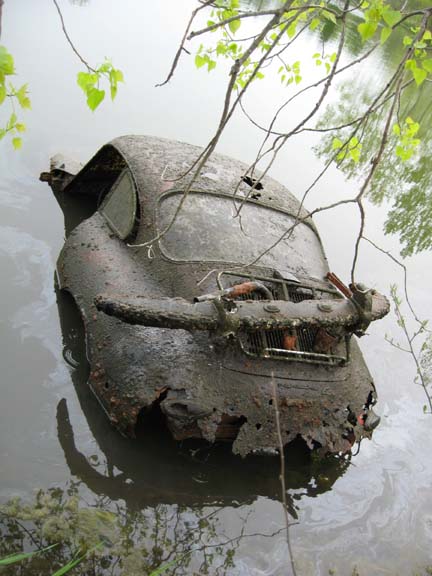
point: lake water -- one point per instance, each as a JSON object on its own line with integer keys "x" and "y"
{"x": 373, "y": 512}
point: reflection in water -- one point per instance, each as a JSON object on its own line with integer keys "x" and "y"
{"x": 406, "y": 184}
{"x": 155, "y": 502}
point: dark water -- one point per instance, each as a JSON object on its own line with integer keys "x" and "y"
{"x": 373, "y": 512}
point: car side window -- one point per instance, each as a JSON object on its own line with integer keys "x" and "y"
{"x": 119, "y": 207}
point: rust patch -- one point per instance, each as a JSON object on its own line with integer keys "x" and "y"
{"x": 324, "y": 342}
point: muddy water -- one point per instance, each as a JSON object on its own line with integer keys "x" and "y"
{"x": 374, "y": 512}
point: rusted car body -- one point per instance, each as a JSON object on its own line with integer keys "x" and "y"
{"x": 187, "y": 311}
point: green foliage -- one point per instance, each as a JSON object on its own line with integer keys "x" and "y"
{"x": 407, "y": 141}
{"x": 378, "y": 13}
{"x": 13, "y": 558}
{"x": 90, "y": 81}
{"x": 326, "y": 59}
{"x": 411, "y": 218}
{"x": 205, "y": 59}
{"x": 101, "y": 541}
{"x": 15, "y": 96}
{"x": 290, "y": 73}
{"x": 420, "y": 65}
{"x": 350, "y": 149}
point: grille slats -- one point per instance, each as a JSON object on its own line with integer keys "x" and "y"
{"x": 270, "y": 343}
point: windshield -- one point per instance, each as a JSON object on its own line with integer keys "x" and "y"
{"x": 206, "y": 230}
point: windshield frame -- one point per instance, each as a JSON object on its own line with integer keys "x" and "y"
{"x": 239, "y": 199}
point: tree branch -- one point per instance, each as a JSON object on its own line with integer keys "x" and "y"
{"x": 182, "y": 43}
{"x": 86, "y": 64}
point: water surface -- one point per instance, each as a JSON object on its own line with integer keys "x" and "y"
{"x": 373, "y": 512}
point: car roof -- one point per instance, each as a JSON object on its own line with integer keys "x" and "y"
{"x": 158, "y": 165}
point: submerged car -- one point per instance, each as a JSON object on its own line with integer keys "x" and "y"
{"x": 215, "y": 308}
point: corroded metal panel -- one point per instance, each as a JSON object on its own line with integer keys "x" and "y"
{"x": 206, "y": 382}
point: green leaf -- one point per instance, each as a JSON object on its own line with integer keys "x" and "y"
{"x": 314, "y": 24}
{"x": 424, "y": 409}
{"x": 6, "y": 62}
{"x": 420, "y": 75}
{"x": 291, "y": 30}
{"x": 94, "y": 98}
{"x": 337, "y": 143}
{"x": 118, "y": 75}
{"x": 427, "y": 65}
{"x": 105, "y": 67}
{"x": 85, "y": 80}
{"x": 199, "y": 61}
{"x": 329, "y": 16}
{"x": 11, "y": 122}
{"x": 367, "y": 29}
{"x": 221, "y": 49}
{"x": 410, "y": 64}
{"x": 2, "y": 133}
{"x": 396, "y": 129}
{"x": 427, "y": 35}
{"x": 20, "y": 127}
{"x": 2, "y": 93}
{"x": 297, "y": 78}
{"x": 17, "y": 142}
{"x": 234, "y": 25}
{"x": 23, "y": 99}
{"x": 407, "y": 41}
{"x": 210, "y": 65}
{"x": 113, "y": 91}
{"x": 385, "y": 33}
{"x": 391, "y": 17}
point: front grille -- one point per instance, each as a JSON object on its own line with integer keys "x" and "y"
{"x": 273, "y": 343}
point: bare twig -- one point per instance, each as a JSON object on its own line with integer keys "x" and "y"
{"x": 86, "y": 64}
{"x": 398, "y": 77}
{"x": 1, "y": 9}
{"x": 281, "y": 140}
{"x": 412, "y": 352}
{"x": 256, "y": 14}
{"x": 227, "y": 113}
{"x": 183, "y": 40}
{"x": 405, "y": 273}
{"x": 282, "y": 471}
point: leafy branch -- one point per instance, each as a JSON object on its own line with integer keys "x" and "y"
{"x": 90, "y": 81}
{"x": 16, "y": 97}
{"x": 379, "y": 17}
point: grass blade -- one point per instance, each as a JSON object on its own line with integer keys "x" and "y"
{"x": 13, "y": 558}
{"x": 162, "y": 569}
{"x": 67, "y": 567}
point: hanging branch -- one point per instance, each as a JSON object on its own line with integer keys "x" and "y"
{"x": 282, "y": 473}
{"x": 182, "y": 43}
{"x": 86, "y": 64}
